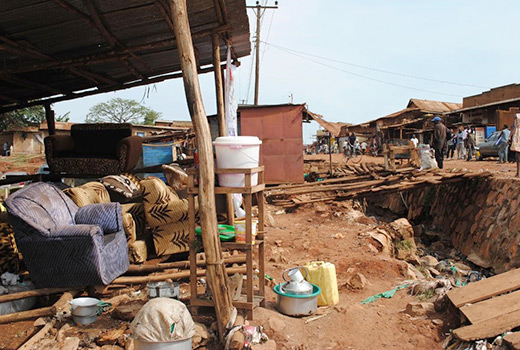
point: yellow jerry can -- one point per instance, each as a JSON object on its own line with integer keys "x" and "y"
{"x": 323, "y": 274}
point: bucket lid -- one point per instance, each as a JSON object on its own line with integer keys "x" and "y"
{"x": 237, "y": 140}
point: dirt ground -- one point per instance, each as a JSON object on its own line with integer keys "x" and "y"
{"x": 330, "y": 232}
{"x": 22, "y": 162}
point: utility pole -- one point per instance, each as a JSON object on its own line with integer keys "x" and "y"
{"x": 259, "y": 14}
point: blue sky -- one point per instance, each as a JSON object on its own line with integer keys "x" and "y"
{"x": 471, "y": 42}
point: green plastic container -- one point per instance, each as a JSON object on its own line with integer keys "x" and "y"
{"x": 226, "y": 232}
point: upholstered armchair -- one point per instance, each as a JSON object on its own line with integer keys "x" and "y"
{"x": 167, "y": 216}
{"x": 63, "y": 245}
{"x": 93, "y": 149}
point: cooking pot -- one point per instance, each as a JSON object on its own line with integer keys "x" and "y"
{"x": 297, "y": 305}
{"x": 84, "y": 310}
{"x": 296, "y": 283}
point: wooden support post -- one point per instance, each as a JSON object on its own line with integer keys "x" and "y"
{"x": 221, "y": 112}
{"x": 216, "y": 269}
{"x": 49, "y": 116}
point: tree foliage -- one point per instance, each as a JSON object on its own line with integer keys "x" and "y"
{"x": 22, "y": 117}
{"x": 119, "y": 110}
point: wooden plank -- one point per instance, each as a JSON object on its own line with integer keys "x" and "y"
{"x": 486, "y": 288}
{"x": 513, "y": 340}
{"x": 489, "y": 328}
{"x": 491, "y": 308}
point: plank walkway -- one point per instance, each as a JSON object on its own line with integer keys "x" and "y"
{"x": 489, "y": 306}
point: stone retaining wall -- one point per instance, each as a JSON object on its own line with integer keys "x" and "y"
{"x": 481, "y": 216}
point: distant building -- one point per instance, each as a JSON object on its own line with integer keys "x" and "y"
{"x": 490, "y": 110}
{"x": 414, "y": 119}
{"x": 29, "y": 139}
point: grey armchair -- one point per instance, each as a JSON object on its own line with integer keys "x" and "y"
{"x": 64, "y": 245}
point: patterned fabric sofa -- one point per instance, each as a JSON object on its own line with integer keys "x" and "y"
{"x": 93, "y": 149}
{"x": 133, "y": 216}
{"x": 167, "y": 216}
{"x": 63, "y": 245}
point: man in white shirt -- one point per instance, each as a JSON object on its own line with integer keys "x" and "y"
{"x": 414, "y": 140}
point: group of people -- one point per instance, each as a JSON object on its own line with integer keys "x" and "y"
{"x": 463, "y": 140}
{"x": 351, "y": 145}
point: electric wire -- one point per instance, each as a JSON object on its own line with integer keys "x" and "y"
{"x": 363, "y": 76}
{"x": 376, "y": 69}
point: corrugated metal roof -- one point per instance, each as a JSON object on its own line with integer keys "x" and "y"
{"x": 434, "y": 106}
{"x": 511, "y": 100}
{"x": 60, "y": 48}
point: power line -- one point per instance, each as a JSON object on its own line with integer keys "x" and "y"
{"x": 377, "y": 69}
{"x": 363, "y": 76}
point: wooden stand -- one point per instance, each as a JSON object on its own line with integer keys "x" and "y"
{"x": 252, "y": 298}
{"x": 389, "y": 152}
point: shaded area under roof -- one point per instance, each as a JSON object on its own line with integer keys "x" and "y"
{"x": 63, "y": 49}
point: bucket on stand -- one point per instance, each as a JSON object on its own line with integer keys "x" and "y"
{"x": 237, "y": 152}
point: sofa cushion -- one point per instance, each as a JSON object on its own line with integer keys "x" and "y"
{"x": 106, "y": 215}
{"x": 121, "y": 185}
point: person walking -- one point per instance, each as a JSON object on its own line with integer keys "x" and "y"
{"x": 470, "y": 144}
{"x": 503, "y": 143}
{"x": 514, "y": 140}
{"x": 460, "y": 144}
{"x": 451, "y": 139}
{"x": 439, "y": 140}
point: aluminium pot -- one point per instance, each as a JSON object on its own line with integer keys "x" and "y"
{"x": 184, "y": 344}
{"x": 297, "y": 305}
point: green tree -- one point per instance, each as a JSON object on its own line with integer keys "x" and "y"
{"x": 119, "y": 110}
{"x": 151, "y": 117}
{"x": 22, "y": 117}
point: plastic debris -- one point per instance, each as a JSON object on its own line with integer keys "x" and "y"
{"x": 387, "y": 295}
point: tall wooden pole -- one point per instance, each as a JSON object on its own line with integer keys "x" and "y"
{"x": 49, "y": 116}
{"x": 216, "y": 269}
{"x": 219, "y": 86}
{"x": 221, "y": 112}
{"x": 257, "y": 66}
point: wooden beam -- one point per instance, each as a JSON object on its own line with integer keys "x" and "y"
{"x": 145, "y": 268}
{"x": 165, "y": 11}
{"x": 51, "y": 122}
{"x": 112, "y": 40}
{"x": 9, "y": 98}
{"x": 28, "y": 50}
{"x": 216, "y": 269}
{"x": 113, "y": 55}
{"x": 110, "y": 88}
{"x": 172, "y": 276}
{"x": 31, "y": 84}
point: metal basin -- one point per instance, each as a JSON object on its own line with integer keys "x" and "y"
{"x": 297, "y": 305}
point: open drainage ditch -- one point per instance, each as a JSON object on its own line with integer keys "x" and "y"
{"x": 478, "y": 216}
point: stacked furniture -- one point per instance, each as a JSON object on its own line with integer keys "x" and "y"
{"x": 93, "y": 149}
{"x": 132, "y": 215}
{"x": 64, "y": 245}
{"x": 167, "y": 216}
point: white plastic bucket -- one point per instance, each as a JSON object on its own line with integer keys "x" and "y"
{"x": 237, "y": 152}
